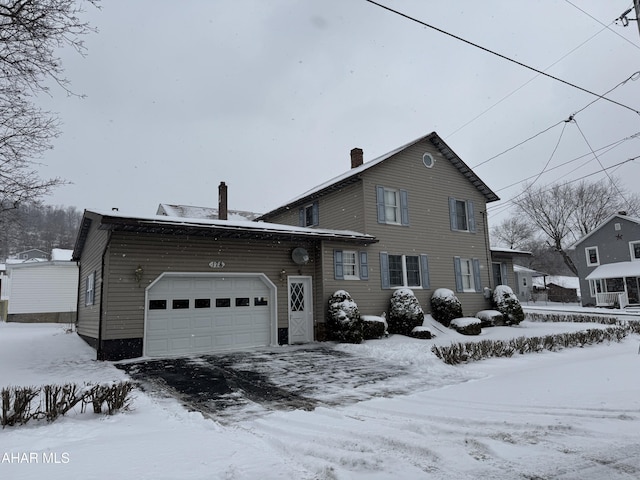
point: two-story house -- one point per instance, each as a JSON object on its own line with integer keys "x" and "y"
{"x": 426, "y": 208}
{"x": 167, "y": 285}
{"x": 608, "y": 263}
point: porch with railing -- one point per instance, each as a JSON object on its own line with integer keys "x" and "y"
{"x": 612, "y": 299}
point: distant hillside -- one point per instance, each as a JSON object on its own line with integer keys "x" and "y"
{"x": 38, "y": 226}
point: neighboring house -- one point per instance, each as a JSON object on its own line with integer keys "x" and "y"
{"x": 3, "y": 293}
{"x": 557, "y": 288}
{"x": 608, "y": 263}
{"x": 32, "y": 253}
{"x": 41, "y": 290}
{"x": 503, "y": 266}
{"x": 415, "y": 217}
{"x": 524, "y": 280}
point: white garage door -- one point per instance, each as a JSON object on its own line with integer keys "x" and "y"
{"x": 204, "y": 313}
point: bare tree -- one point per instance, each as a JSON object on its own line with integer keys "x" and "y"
{"x": 30, "y": 33}
{"x": 566, "y": 212}
{"x": 514, "y": 232}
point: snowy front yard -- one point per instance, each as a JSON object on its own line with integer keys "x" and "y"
{"x": 563, "y": 415}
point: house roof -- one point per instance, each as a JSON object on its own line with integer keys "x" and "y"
{"x": 618, "y": 215}
{"x": 198, "y": 227}
{"x": 521, "y": 269}
{"x": 615, "y": 270}
{"x": 509, "y": 251}
{"x": 190, "y": 211}
{"x": 353, "y": 175}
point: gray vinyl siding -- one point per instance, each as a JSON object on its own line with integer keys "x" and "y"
{"x": 91, "y": 261}
{"x": 611, "y": 249}
{"x": 124, "y": 305}
{"x": 429, "y": 230}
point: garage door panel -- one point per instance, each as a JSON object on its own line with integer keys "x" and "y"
{"x": 216, "y": 313}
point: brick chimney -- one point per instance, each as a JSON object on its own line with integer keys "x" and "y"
{"x": 357, "y": 157}
{"x": 222, "y": 202}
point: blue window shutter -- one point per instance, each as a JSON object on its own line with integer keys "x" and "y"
{"x": 404, "y": 207}
{"x": 384, "y": 270}
{"x": 424, "y": 270}
{"x": 505, "y": 278}
{"x": 452, "y": 213}
{"x": 315, "y": 213}
{"x": 457, "y": 268}
{"x": 477, "y": 279}
{"x": 471, "y": 216}
{"x": 337, "y": 265}
{"x": 380, "y": 203}
{"x": 301, "y": 217}
{"x": 364, "y": 266}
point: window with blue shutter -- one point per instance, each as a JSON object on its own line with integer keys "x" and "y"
{"x": 404, "y": 271}
{"x": 477, "y": 280}
{"x": 309, "y": 215}
{"x": 462, "y": 215}
{"x": 392, "y": 206}
{"x": 424, "y": 270}
{"x": 384, "y": 270}
{"x": 364, "y": 266}
{"x": 457, "y": 269}
{"x": 337, "y": 265}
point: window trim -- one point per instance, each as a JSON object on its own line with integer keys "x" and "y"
{"x": 592, "y": 286}
{"x": 90, "y": 289}
{"x": 632, "y": 252}
{"x": 402, "y": 205}
{"x": 469, "y": 215}
{"x": 586, "y": 252}
{"x": 476, "y": 275}
{"x": 303, "y": 215}
{"x": 423, "y": 271}
{"x": 362, "y": 265}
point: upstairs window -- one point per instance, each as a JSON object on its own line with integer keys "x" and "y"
{"x": 308, "y": 215}
{"x": 392, "y": 205}
{"x": 635, "y": 250}
{"x": 593, "y": 259}
{"x": 462, "y": 215}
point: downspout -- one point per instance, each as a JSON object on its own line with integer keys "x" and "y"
{"x": 104, "y": 254}
{"x": 487, "y": 247}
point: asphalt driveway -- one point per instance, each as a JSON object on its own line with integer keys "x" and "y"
{"x": 248, "y": 383}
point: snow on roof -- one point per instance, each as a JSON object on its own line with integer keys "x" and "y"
{"x": 521, "y": 269}
{"x": 235, "y": 224}
{"x": 615, "y": 270}
{"x": 510, "y": 250}
{"x": 367, "y": 165}
{"x": 560, "y": 280}
{"x": 61, "y": 254}
{"x": 190, "y": 211}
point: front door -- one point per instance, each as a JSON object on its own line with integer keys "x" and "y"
{"x": 300, "y": 310}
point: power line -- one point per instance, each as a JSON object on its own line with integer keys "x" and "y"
{"x": 504, "y": 57}
{"x": 608, "y": 27}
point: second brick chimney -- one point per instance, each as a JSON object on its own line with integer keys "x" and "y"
{"x": 222, "y": 202}
{"x": 357, "y": 157}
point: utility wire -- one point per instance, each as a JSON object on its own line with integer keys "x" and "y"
{"x": 608, "y": 27}
{"x": 504, "y": 57}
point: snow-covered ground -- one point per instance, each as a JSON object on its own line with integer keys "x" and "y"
{"x": 563, "y": 415}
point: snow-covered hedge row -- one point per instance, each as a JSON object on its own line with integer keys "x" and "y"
{"x": 48, "y": 402}
{"x": 572, "y": 317}
{"x": 474, "y": 351}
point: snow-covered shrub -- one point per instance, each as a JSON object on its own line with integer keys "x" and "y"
{"x": 422, "y": 333}
{"x": 445, "y": 306}
{"x": 373, "y": 326}
{"x": 467, "y": 326}
{"x": 490, "y": 318}
{"x": 405, "y": 312}
{"x": 506, "y": 302}
{"x": 343, "y": 320}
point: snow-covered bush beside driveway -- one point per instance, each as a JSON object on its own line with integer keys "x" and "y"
{"x": 445, "y": 306}
{"x": 344, "y": 321}
{"x": 405, "y": 312}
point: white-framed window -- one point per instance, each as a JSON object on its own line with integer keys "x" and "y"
{"x": 461, "y": 215}
{"x": 89, "y": 293}
{"x": 309, "y": 215}
{"x": 467, "y": 274}
{"x": 404, "y": 270}
{"x": 593, "y": 258}
{"x": 351, "y": 265}
{"x": 392, "y": 205}
{"x": 596, "y": 286}
{"x": 634, "y": 248}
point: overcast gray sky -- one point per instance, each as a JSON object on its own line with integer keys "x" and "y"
{"x": 271, "y": 95}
